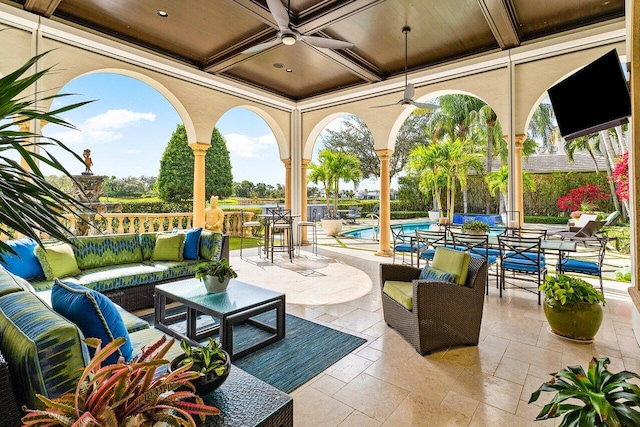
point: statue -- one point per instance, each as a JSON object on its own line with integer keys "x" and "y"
{"x": 214, "y": 216}
{"x": 88, "y": 162}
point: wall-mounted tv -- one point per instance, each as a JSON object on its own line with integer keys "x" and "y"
{"x": 592, "y": 99}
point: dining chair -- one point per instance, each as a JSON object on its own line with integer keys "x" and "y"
{"x": 280, "y": 226}
{"x": 428, "y": 241}
{"x": 477, "y": 245}
{"x": 311, "y": 224}
{"x": 587, "y": 260}
{"x": 524, "y": 258}
{"x": 403, "y": 243}
{"x": 248, "y": 229}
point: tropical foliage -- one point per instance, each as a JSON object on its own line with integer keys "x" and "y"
{"x": 29, "y": 204}
{"x": 568, "y": 289}
{"x": 205, "y": 359}
{"x": 125, "y": 394}
{"x": 498, "y": 183}
{"x": 585, "y": 198}
{"x": 219, "y": 268}
{"x": 595, "y": 398}
{"x": 175, "y": 181}
{"x": 333, "y": 167}
{"x": 621, "y": 177}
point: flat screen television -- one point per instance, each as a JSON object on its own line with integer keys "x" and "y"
{"x": 592, "y": 99}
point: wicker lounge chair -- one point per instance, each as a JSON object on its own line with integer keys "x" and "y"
{"x": 443, "y": 314}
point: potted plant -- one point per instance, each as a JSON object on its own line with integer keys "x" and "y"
{"x": 211, "y": 361}
{"x": 475, "y": 227}
{"x": 572, "y": 306}
{"x": 215, "y": 275}
{"x": 607, "y": 399}
{"x": 125, "y": 394}
{"x": 333, "y": 166}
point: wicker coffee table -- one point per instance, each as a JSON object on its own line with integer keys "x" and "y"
{"x": 239, "y": 304}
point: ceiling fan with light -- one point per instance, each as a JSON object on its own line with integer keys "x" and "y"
{"x": 288, "y": 36}
{"x": 409, "y": 90}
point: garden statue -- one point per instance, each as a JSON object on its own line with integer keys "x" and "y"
{"x": 214, "y": 216}
{"x": 88, "y": 162}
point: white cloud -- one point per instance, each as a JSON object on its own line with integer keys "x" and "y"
{"x": 101, "y": 128}
{"x": 249, "y": 146}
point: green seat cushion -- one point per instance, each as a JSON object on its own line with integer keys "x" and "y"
{"x": 10, "y": 283}
{"x": 105, "y": 250}
{"x": 452, "y": 261}
{"x": 43, "y": 349}
{"x": 57, "y": 260}
{"x": 174, "y": 269}
{"x": 402, "y": 292}
{"x": 169, "y": 247}
{"x": 117, "y": 277}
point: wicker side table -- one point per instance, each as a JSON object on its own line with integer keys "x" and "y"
{"x": 246, "y": 401}
{"x": 10, "y": 414}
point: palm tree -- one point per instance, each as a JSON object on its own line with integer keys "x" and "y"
{"x": 334, "y": 166}
{"x": 542, "y": 126}
{"x": 498, "y": 183}
{"x": 28, "y": 203}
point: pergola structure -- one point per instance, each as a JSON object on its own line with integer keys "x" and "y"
{"x": 506, "y": 53}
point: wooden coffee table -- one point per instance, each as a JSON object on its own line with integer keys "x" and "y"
{"x": 239, "y": 304}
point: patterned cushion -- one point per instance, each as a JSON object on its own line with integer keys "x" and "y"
{"x": 57, "y": 260}
{"x": 452, "y": 261}
{"x": 174, "y": 269}
{"x": 169, "y": 247}
{"x": 430, "y": 273}
{"x": 94, "y": 314}
{"x": 117, "y": 277}
{"x": 401, "y": 292}
{"x": 110, "y": 249}
{"x": 147, "y": 243}
{"x": 10, "y": 283}
{"x": 210, "y": 245}
{"x": 24, "y": 262}
{"x": 42, "y": 348}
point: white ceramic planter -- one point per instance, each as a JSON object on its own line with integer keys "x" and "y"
{"x": 213, "y": 285}
{"x": 434, "y": 215}
{"x": 331, "y": 227}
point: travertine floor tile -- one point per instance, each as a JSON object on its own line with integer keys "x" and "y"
{"x": 371, "y": 396}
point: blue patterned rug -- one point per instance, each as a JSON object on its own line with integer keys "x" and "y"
{"x": 306, "y": 350}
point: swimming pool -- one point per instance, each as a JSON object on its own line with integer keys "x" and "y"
{"x": 368, "y": 232}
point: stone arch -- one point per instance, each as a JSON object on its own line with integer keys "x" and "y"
{"x": 307, "y": 151}
{"x": 281, "y": 138}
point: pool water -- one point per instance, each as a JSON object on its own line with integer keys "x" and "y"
{"x": 371, "y": 233}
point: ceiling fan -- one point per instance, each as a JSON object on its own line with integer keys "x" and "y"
{"x": 288, "y": 36}
{"x": 409, "y": 90}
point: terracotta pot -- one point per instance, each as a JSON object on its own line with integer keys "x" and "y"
{"x": 578, "y": 320}
{"x": 215, "y": 286}
{"x": 205, "y": 383}
{"x": 444, "y": 220}
{"x": 475, "y": 232}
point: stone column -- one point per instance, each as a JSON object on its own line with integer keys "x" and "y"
{"x": 303, "y": 202}
{"x": 199, "y": 150}
{"x": 385, "y": 203}
{"x": 518, "y": 191}
{"x": 26, "y": 127}
{"x": 287, "y": 183}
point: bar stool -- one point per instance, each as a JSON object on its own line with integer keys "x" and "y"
{"x": 313, "y": 225}
{"x": 281, "y": 225}
{"x": 249, "y": 226}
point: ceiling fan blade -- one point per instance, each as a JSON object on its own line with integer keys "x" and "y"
{"x": 409, "y": 91}
{"x": 425, "y": 105}
{"x": 261, "y": 46}
{"x": 388, "y": 105}
{"x": 326, "y": 43}
{"x": 279, "y": 13}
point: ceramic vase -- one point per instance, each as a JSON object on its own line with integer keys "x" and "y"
{"x": 213, "y": 285}
{"x": 578, "y": 320}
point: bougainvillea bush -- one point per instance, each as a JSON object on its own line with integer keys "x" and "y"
{"x": 621, "y": 177}
{"x": 585, "y": 198}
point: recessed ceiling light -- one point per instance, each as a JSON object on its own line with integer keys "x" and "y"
{"x": 162, "y": 14}
{"x": 289, "y": 70}
{"x": 278, "y": 65}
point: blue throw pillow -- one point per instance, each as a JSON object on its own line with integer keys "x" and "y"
{"x": 191, "y": 242}
{"x": 95, "y": 315}
{"x": 24, "y": 263}
{"x": 430, "y": 273}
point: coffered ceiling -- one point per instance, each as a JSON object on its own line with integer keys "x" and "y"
{"x": 212, "y": 34}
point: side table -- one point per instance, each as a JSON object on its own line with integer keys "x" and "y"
{"x": 246, "y": 401}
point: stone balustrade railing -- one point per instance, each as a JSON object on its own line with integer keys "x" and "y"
{"x": 120, "y": 223}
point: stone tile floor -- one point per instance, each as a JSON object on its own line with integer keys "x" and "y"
{"x": 387, "y": 383}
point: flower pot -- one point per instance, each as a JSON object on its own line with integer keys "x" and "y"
{"x": 475, "y": 232}
{"x": 331, "y": 227}
{"x": 213, "y": 285}
{"x": 205, "y": 383}
{"x": 578, "y": 320}
{"x": 434, "y": 215}
{"x": 443, "y": 220}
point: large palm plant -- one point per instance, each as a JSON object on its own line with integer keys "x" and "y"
{"x": 28, "y": 203}
{"x": 332, "y": 167}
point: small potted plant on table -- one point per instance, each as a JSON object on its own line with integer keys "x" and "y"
{"x": 215, "y": 275}
{"x": 475, "y": 227}
{"x": 572, "y": 307}
{"x": 211, "y": 361}
{"x": 607, "y": 398}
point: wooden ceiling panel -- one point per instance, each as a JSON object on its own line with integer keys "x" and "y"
{"x": 193, "y": 30}
{"x": 439, "y": 31}
{"x": 543, "y": 17}
{"x": 311, "y": 73}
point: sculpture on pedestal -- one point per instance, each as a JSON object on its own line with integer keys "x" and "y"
{"x": 214, "y": 216}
